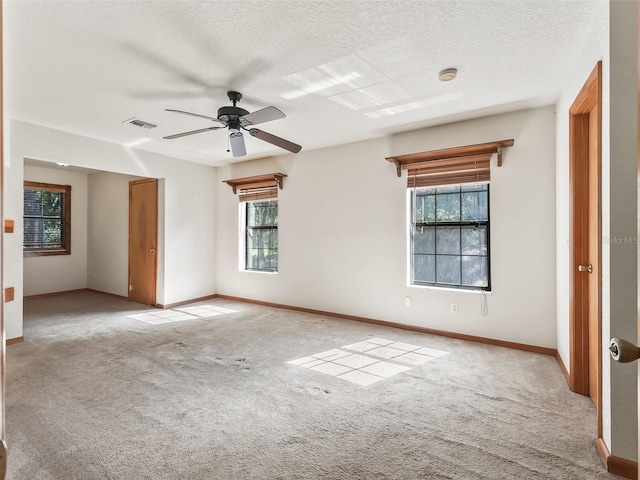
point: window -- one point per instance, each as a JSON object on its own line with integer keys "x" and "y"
{"x": 261, "y": 235}
{"x": 449, "y": 222}
{"x": 47, "y": 219}
{"x": 258, "y": 197}
{"x": 450, "y": 236}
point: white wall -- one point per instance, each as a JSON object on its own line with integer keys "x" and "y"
{"x": 56, "y": 273}
{"x": 12, "y": 244}
{"x": 343, "y": 232}
{"x": 187, "y": 257}
{"x": 108, "y": 232}
{"x": 613, "y": 40}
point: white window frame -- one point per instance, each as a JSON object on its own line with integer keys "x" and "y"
{"x": 242, "y": 248}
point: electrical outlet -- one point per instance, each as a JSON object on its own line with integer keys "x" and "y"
{"x": 407, "y": 301}
{"x": 454, "y": 308}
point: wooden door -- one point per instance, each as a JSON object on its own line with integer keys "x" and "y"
{"x": 143, "y": 240}
{"x": 585, "y": 244}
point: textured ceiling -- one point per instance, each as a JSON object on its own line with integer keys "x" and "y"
{"x": 342, "y": 71}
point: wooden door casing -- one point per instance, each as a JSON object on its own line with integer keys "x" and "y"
{"x": 594, "y": 278}
{"x": 585, "y": 328}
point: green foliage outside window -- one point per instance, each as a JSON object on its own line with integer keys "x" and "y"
{"x": 450, "y": 236}
{"x": 46, "y": 222}
{"x": 262, "y": 235}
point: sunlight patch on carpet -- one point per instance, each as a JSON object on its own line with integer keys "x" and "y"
{"x": 160, "y": 317}
{"x": 373, "y": 362}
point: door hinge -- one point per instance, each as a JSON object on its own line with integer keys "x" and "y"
{"x": 130, "y": 288}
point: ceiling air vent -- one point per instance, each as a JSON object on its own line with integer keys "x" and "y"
{"x": 140, "y": 123}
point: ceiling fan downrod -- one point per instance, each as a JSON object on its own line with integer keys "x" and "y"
{"x": 234, "y": 97}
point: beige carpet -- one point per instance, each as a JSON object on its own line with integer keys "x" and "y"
{"x": 100, "y": 391}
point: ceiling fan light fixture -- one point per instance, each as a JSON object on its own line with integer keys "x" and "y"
{"x": 448, "y": 74}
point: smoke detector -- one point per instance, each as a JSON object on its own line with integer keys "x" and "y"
{"x": 448, "y": 74}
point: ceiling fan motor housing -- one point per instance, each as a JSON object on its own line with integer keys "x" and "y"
{"x": 231, "y": 114}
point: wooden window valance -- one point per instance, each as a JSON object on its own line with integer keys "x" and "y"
{"x": 258, "y": 187}
{"x": 467, "y": 164}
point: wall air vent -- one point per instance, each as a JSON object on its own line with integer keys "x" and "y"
{"x": 140, "y": 123}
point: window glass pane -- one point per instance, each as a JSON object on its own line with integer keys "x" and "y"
{"x": 259, "y": 235}
{"x": 425, "y": 208}
{"x": 52, "y": 235}
{"x": 251, "y": 214}
{"x": 424, "y": 240}
{"x": 268, "y": 216}
{"x": 261, "y": 261}
{"x": 262, "y": 213}
{"x": 267, "y": 238}
{"x": 475, "y": 187}
{"x": 448, "y": 269}
{"x": 474, "y": 206}
{"x": 448, "y": 207}
{"x": 272, "y": 260}
{"x": 252, "y": 258}
{"x": 32, "y": 232}
{"x": 448, "y": 189}
{"x": 51, "y": 204}
{"x": 424, "y": 268}
{"x": 474, "y": 271}
{"x": 32, "y": 205}
{"x": 252, "y": 238}
{"x": 262, "y": 235}
{"x": 474, "y": 240}
{"x": 448, "y": 240}
{"x": 274, "y": 240}
{"x": 257, "y": 217}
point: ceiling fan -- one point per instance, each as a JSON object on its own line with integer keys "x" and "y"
{"x": 237, "y": 119}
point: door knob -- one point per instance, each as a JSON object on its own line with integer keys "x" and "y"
{"x": 585, "y": 268}
{"x": 623, "y": 351}
{"x": 152, "y": 249}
